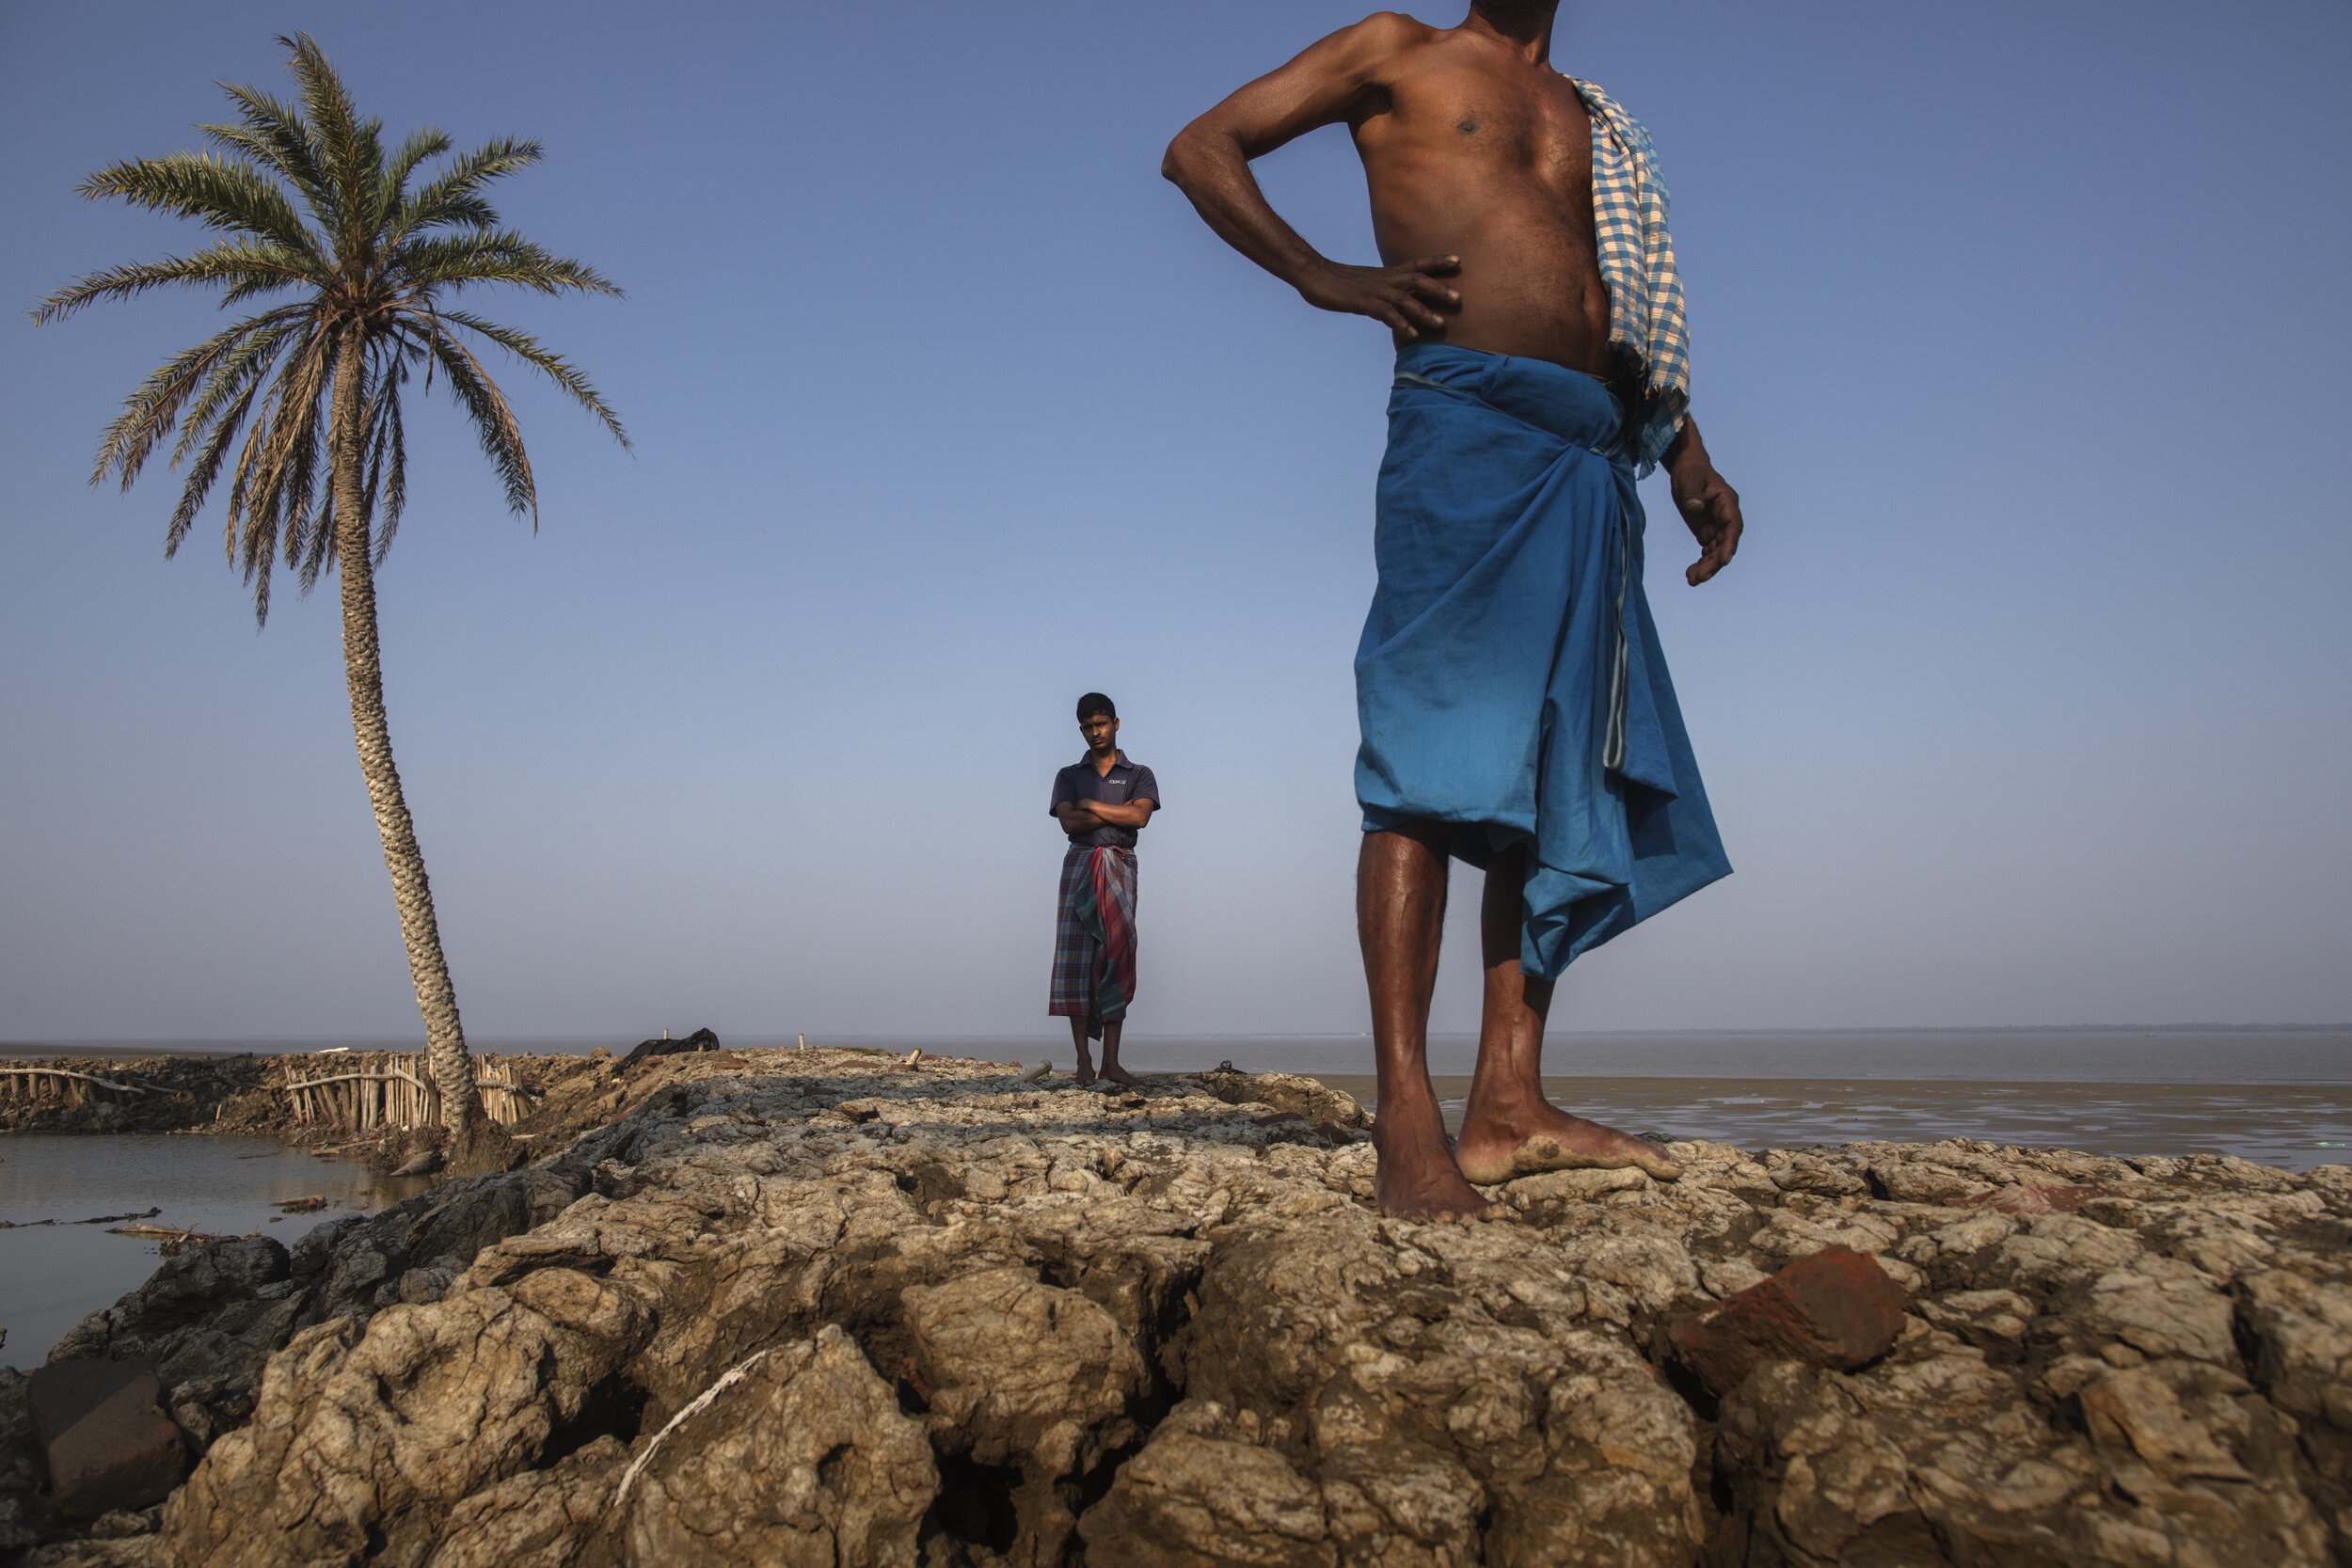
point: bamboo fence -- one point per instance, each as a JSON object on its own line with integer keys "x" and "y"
{"x": 375, "y": 1089}
{"x": 48, "y": 1082}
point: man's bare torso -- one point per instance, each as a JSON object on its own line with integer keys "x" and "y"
{"x": 1471, "y": 151}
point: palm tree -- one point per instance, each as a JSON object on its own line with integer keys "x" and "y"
{"x": 361, "y": 250}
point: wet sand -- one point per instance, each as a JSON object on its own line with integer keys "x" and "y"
{"x": 2295, "y": 1125}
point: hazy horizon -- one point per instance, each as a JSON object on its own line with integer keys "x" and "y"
{"x": 1054, "y": 1030}
{"x": 2017, "y": 328}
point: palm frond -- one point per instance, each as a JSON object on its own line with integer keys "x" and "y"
{"x": 369, "y": 196}
{"x": 206, "y": 468}
{"x": 231, "y": 262}
{"x": 351, "y": 154}
{"x": 395, "y": 487}
{"x": 257, "y": 487}
{"x": 523, "y": 346}
{"x": 388, "y": 459}
{"x": 504, "y": 257}
{"x": 303, "y": 449}
{"x": 216, "y": 192}
{"x": 494, "y": 422}
{"x": 241, "y": 508}
{"x": 452, "y": 199}
{"x": 431, "y": 142}
{"x": 151, "y": 413}
{"x": 273, "y": 133}
{"x": 255, "y": 288}
{"x": 280, "y": 508}
{"x": 294, "y": 428}
{"x": 252, "y": 358}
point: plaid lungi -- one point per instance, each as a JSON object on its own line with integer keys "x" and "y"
{"x": 1094, "y": 937}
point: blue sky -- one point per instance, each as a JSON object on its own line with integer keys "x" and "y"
{"x": 2020, "y": 329}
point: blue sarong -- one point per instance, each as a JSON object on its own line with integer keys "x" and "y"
{"x": 1510, "y": 681}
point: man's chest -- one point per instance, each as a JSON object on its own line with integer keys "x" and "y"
{"x": 1529, "y": 122}
{"x": 1117, "y": 786}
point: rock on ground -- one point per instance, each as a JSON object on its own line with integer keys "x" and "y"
{"x": 789, "y": 1307}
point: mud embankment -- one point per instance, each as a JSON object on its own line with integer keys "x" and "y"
{"x": 849, "y": 1311}
{"x": 154, "y": 1094}
{"x": 244, "y": 1096}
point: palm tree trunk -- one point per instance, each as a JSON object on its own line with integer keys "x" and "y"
{"x": 444, "y": 1036}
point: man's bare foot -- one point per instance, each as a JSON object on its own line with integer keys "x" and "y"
{"x": 1417, "y": 1179}
{"x": 1496, "y": 1147}
{"x": 1086, "y": 1072}
{"x": 1117, "y": 1074}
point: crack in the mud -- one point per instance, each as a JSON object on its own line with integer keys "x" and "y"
{"x": 614, "y": 1407}
{"x": 975, "y": 1503}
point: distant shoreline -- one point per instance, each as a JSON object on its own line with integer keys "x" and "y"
{"x": 289, "y": 1044}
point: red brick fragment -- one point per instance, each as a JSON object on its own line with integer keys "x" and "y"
{"x": 108, "y": 1443}
{"x": 1835, "y": 1309}
{"x": 2062, "y": 1197}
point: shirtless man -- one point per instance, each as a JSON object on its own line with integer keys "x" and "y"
{"x": 1515, "y": 704}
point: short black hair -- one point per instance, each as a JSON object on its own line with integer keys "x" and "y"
{"x": 1094, "y": 703}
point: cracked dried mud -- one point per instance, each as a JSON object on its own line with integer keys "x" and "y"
{"x": 814, "y": 1307}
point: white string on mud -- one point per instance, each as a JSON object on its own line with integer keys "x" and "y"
{"x": 700, "y": 1403}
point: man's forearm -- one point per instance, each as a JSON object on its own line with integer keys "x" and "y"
{"x": 1115, "y": 816}
{"x": 1209, "y": 161}
{"x": 1078, "y": 819}
{"x": 1212, "y": 169}
{"x": 1686, "y": 449}
{"x": 1707, "y": 504}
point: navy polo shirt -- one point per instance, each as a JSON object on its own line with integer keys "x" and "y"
{"x": 1126, "y": 781}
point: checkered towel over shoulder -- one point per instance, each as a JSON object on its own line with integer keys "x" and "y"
{"x": 1637, "y": 262}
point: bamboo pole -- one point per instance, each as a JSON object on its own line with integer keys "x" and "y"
{"x": 380, "y": 1094}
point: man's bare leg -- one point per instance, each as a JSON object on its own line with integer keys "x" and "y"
{"x": 1086, "y": 1058}
{"x": 1111, "y": 1069}
{"x": 1510, "y": 1128}
{"x": 1400, "y": 916}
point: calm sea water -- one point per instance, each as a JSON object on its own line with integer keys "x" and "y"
{"x": 2280, "y": 1096}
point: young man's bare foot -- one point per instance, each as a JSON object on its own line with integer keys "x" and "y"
{"x": 1496, "y": 1145}
{"x": 1117, "y": 1074}
{"x": 1086, "y": 1072}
